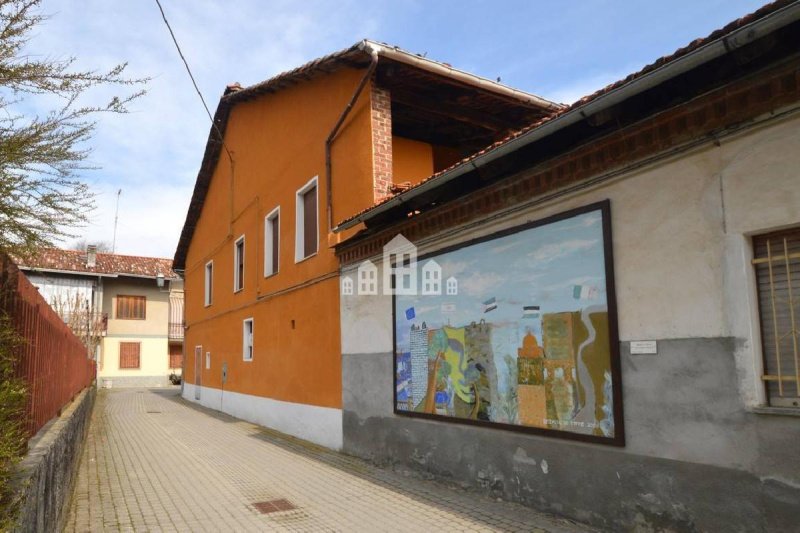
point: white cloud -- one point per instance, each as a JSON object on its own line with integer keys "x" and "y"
{"x": 454, "y": 268}
{"x": 553, "y": 251}
{"x": 153, "y": 153}
{"x": 480, "y": 283}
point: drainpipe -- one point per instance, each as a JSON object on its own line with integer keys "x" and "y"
{"x": 329, "y": 141}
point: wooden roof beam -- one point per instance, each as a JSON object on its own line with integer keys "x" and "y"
{"x": 451, "y": 111}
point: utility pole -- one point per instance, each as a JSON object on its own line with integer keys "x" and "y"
{"x": 116, "y": 217}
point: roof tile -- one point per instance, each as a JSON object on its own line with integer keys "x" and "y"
{"x": 75, "y": 261}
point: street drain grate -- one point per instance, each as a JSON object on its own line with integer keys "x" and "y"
{"x": 274, "y": 506}
{"x": 151, "y": 412}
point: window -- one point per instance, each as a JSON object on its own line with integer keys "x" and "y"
{"x": 272, "y": 225}
{"x": 777, "y": 266}
{"x": 368, "y": 281}
{"x": 131, "y": 307}
{"x": 209, "y": 285}
{"x": 208, "y": 360}
{"x": 306, "y": 235}
{"x": 238, "y": 264}
{"x": 432, "y": 280}
{"x": 129, "y": 354}
{"x": 247, "y": 339}
{"x": 175, "y": 355}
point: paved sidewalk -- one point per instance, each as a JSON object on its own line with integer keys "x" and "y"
{"x": 154, "y": 462}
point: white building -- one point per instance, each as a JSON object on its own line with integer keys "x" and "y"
{"x": 452, "y": 286}
{"x": 367, "y": 279}
{"x": 431, "y": 279}
{"x": 400, "y": 267}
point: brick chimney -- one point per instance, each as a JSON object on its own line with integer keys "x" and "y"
{"x": 91, "y": 256}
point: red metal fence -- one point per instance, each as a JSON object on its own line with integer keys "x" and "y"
{"x": 51, "y": 359}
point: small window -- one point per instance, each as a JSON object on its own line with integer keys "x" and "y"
{"x": 306, "y": 232}
{"x": 272, "y": 224}
{"x": 129, "y": 354}
{"x": 247, "y": 339}
{"x": 131, "y": 307}
{"x": 238, "y": 264}
{"x": 208, "y": 360}
{"x": 209, "y": 283}
{"x": 777, "y": 268}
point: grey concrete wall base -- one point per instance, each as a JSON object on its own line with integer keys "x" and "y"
{"x": 47, "y": 473}
{"x": 695, "y": 458}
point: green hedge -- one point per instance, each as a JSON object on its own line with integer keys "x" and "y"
{"x": 13, "y": 439}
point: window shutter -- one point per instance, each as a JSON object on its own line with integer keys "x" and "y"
{"x": 131, "y": 307}
{"x": 274, "y": 227}
{"x": 129, "y": 354}
{"x": 777, "y": 266}
{"x": 310, "y": 222}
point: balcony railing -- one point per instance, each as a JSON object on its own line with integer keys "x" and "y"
{"x": 176, "y": 330}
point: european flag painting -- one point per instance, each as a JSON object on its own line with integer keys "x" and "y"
{"x": 410, "y": 314}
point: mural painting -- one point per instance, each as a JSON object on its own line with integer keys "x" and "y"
{"x": 528, "y": 341}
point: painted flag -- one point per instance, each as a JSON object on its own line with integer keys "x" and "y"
{"x": 490, "y": 304}
{"x": 584, "y": 292}
{"x": 530, "y": 311}
{"x": 410, "y": 314}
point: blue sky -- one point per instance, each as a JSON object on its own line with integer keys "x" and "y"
{"x": 559, "y": 50}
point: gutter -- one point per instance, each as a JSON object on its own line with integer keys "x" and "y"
{"x": 91, "y": 274}
{"x": 445, "y": 70}
{"x": 708, "y": 52}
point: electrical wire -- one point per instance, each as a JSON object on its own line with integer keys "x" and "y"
{"x": 191, "y": 76}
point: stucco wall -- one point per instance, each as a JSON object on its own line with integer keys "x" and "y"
{"x": 151, "y": 333}
{"x": 696, "y": 454}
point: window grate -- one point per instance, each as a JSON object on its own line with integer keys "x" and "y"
{"x": 777, "y": 268}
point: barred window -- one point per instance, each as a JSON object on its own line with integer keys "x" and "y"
{"x": 777, "y": 266}
{"x": 131, "y": 307}
{"x": 129, "y": 354}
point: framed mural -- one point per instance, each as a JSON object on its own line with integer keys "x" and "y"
{"x": 516, "y": 330}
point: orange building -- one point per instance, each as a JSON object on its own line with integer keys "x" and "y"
{"x": 285, "y": 159}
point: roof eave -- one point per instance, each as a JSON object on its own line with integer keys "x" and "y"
{"x": 712, "y": 50}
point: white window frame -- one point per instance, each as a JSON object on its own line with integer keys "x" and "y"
{"x": 208, "y": 286}
{"x": 248, "y": 343}
{"x": 208, "y": 360}
{"x": 299, "y": 221}
{"x": 268, "y": 240}
{"x": 238, "y": 284}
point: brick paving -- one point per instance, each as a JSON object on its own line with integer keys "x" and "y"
{"x": 154, "y": 462}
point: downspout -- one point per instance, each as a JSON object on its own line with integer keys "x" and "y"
{"x": 329, "y": 141}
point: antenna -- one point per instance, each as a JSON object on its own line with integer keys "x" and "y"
{"x": 116, "y": 217}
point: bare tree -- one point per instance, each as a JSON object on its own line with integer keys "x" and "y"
{"x": 81, "y": 244}
{"x": 41, "y": 155}
{"x": 87, "y": 324}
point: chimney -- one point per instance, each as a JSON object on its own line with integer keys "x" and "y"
{"x": 91, "y": 256}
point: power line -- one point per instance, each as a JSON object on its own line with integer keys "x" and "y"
{"x": 196, "y": 88}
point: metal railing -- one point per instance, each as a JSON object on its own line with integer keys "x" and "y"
{"x": 51, "y": 360}
{"x": 176, "y": 330}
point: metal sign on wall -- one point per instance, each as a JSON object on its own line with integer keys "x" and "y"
{"x": 526, "y": 341}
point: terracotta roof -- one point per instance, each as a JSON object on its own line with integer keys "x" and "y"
{"x": 357, "y": 56}
{"x": 680, "y": 52}
{"x": 108, "y": 264}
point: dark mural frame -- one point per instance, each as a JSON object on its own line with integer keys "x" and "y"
{"x": 618, "y": 437}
